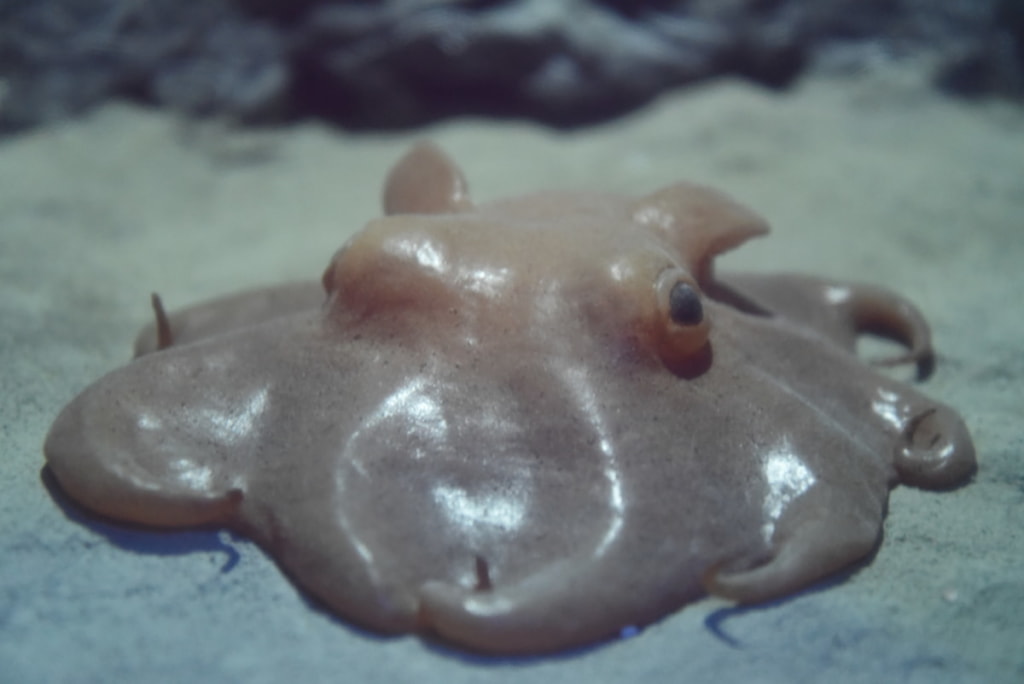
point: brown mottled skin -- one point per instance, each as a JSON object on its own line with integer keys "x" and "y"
{"x": 525, "y": 425}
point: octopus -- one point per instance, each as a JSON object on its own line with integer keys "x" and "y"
{"x": 525, "y": 425}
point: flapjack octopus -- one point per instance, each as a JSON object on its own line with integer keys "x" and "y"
{"x": 526, "y": 425}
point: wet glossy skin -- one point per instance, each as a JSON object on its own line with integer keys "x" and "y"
{"x": 523, "y": 426}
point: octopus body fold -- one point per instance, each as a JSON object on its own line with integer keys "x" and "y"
{"x": 525, "y": 425}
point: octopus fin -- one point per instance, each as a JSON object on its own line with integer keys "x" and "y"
{"x": 699, "y": 223}
{"x": 425, "y": 181}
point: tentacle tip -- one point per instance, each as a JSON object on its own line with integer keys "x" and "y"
{"x": 483, "y": 575}
{"x": 922, "y": 359}
{"x": 717, "y": 581}
{"x": 712, "y": 585}
{"x": 936, "y": 451}
{"x": 164, "y": 334}
{"x": 925, "y": 365}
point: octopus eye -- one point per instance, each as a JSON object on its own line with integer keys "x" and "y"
{"x": 682, "y": 322}
{"x": 684, "y": 304}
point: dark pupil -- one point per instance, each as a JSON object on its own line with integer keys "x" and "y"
{"x": 684, "y": 304}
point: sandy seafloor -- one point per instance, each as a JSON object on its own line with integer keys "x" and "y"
{"x": 874, "y": 178}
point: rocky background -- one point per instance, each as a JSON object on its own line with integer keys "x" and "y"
{"x": 397, "y": 63}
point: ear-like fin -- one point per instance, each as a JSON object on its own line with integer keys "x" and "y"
{"x": 425, "y": 181}
{"x": 699, "y": 223}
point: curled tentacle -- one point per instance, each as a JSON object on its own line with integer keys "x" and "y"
{"x": 876, "y": 311}
{"x": 935, "y": 450}
{"x": 841, "y": 311}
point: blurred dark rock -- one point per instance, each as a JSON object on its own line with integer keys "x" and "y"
{"x": 394, "y": 63}
{"x": 58, "y": 57}
{"x": 993, "y": 63}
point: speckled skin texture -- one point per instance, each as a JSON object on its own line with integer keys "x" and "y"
{"x": 527, "y": 425}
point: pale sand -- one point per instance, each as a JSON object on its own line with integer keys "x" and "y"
{"x": 876, "y": 179}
